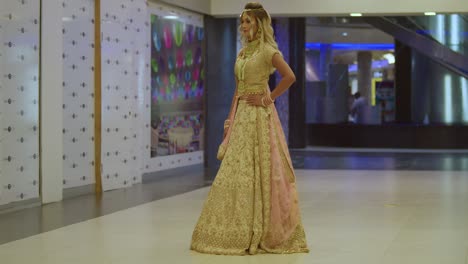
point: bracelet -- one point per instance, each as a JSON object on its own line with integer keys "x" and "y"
{"x": 227, "y": 123}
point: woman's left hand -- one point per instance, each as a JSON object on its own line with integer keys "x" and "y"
{"x": 255, "y": 100}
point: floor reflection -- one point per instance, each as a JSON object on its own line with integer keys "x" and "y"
{"x": 350, "y": 160}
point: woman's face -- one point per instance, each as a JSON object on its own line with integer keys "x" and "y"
{"x": 248, "y": 25}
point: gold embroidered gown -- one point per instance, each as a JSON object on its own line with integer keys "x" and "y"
{"x": 252, "y": 206}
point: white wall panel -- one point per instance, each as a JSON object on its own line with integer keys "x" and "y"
{"x": 19, "y": 105}
{"x": 125, "y": 80}
{"x": 78, "y": 93}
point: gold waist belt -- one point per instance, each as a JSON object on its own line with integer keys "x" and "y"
{"x": 254, "y": 88}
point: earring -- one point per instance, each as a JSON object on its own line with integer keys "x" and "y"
{"x": 259, "y": 32}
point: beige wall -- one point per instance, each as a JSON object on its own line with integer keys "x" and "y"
{"x": 335, "y": 7}
{"x": 355, "y": 35}
{"x": 200, "y": 6}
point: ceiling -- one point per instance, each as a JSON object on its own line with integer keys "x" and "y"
{"x": 343, "y": 30}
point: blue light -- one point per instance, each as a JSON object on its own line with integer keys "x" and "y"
{"x": 362, "y": 46}
{"x": 352, "y": 46}
{"x": 310, "y": 45}
{"x": 376, "y": 65}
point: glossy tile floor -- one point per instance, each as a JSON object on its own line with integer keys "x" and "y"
{"x": 21, "y": 223}
{"x": 382, "y": 159}
{"x": 350, "y": 216}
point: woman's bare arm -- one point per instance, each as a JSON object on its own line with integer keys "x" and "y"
{"x": 287, "y": 76}
{"x": 287, "y": 79}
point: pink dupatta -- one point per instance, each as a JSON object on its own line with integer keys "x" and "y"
{"x": 284, "y": 209}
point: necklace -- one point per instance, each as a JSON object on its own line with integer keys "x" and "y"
{"x": 250, "y": 49}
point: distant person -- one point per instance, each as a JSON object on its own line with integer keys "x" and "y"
{"x": 358, "y": 108}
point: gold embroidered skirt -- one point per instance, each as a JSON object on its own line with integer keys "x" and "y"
{"x": 252, "y": 206}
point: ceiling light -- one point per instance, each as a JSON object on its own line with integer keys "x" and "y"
{"x": 344, "y": 34}
{"x": 171, "y": 17}
{"x": 389, "y": 57}
{"x": 355, "y": 14}
{"x": 430, "y": 13}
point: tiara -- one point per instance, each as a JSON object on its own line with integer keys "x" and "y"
{"x": 249, "y": 9}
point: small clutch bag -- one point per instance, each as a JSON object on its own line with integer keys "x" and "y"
{"x": 221, "y": 151}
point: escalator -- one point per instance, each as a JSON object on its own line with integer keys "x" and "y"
{"x": 442, "y": 38}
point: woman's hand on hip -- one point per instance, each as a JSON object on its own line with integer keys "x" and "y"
{"x": 255, "y": 100}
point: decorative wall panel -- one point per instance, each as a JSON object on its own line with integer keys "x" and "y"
{"x": 78, "y": 93}
{"x": 19, "y": 102}
{"x": 125, "y": 86}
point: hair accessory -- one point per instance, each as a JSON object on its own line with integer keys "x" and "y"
{"x": 250, "y": 9}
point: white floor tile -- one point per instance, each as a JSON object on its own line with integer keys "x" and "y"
{"x": 349, "y": 216}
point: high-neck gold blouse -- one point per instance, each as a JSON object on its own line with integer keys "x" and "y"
{"x": 253, "y": 67}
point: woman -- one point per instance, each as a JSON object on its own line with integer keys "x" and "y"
{"x": 252, "y": 206}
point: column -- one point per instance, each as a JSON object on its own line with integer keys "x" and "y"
{"x": 297, "y": 126}
{"x": 325, "y": 56}
{"x": 51, "y": 100}
{"x": 220, "y": 84}
{"x": 403, "y": 87}
{"x": 364, "y": 59}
